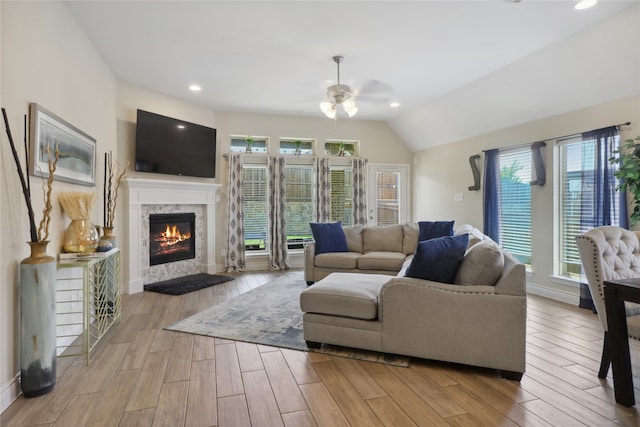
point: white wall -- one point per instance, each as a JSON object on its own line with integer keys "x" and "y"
{"x": 378, "y": 142}
{"x": 45, "y": 59}
{"x": 443, "y": 171}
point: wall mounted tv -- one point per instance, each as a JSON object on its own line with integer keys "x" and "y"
{"x": 174, "y": 147}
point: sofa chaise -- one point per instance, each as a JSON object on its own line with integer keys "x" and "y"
{"x": 478, "y": 319}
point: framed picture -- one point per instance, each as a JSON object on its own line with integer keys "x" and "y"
{"x": 77, "y": 157}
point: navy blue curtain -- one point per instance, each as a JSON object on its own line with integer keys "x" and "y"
{"x": 491, "y": 195}
{"x": 599, "y": 191}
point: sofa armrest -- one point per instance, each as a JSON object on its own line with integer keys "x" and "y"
{"x": 309, "y": 261}
{"x": 513, "y": 280}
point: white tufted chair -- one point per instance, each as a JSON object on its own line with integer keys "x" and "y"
{"x": 610, "y": 253}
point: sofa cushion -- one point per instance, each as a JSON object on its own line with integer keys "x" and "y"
{"x": 411, "y": 232}
{"x": 391, "y": 261}
{"x": 438, "y": 259}
{"x": 353, "y": 235}
{"x": 347, "y": 260}
{"x": 344, "y": 294}
{"x": 434, "y": 229}
{"x": 387, "y": 238}
{"x": 475, "y": 235}
{"x": 329, "y": 237}
{"x": 482, "y": 264}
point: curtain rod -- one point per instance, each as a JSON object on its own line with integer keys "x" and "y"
{"x": 549, "y": 139}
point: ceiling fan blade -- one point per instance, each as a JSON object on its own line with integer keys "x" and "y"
{"x": 374, "y": 87}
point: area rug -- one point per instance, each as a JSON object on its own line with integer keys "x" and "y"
{"x": 270, "y": 315}
{"x": 186, "y": 284}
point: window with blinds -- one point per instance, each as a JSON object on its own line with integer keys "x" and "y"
{"x": 239, "y": 144}
{"x": 296, "y": 146}
{"x": 342, "y": 195}
{"x": 387, "y": 198}
{"x": 515, "y": 203}
{"x": 299, "y": 192}
{"x": 576, "y": 201}
{"x": 256, "y": 207}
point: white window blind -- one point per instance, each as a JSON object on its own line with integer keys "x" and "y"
{"x": 299, "y": 191}
{"x": 387, "y": 198}
{"x": 342, "y": 195}
{"x": 515, "y": 203}
{"x": 256, "y": 207}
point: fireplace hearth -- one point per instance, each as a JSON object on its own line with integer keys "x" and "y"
{"x": 171, "y": 237}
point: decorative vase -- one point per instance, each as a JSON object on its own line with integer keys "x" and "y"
{"x": 37, "y": 321}
{"x": 107, "y": 234}
{"x": 80, "y": 237}
{"x": 248, "y": 149}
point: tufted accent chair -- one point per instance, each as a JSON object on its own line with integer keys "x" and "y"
{"x": 609, "y": 253}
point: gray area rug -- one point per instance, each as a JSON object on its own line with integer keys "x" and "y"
{"x": 269, "y": 315}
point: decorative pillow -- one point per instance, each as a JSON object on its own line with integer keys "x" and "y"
{"x": 329, "y": 237}
{"x": 475, "y": 235}
{"x": 481, "y": 265}
{"x": 354, "y": 237}
{"x": 438, "y": 259}
{"x": 434, "y": 229}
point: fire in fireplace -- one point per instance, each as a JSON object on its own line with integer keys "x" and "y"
{"x": 171, "y": 237}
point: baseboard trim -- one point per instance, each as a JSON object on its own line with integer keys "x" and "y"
{"x": 554, "y": 294}
{"x": 9, "y": 393}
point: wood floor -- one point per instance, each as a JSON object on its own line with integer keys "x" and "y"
{"x": 142, "y": 375}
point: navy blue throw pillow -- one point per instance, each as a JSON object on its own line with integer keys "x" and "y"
{"x": 329, "y": 237}
{"x": 438, "y": 259}
{"x": 434, "y": 229}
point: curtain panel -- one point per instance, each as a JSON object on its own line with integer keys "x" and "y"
{"x": 277, "y": 234}
{"x": 491, "y": 195}
{"x": 599, "y": 191}
{"x": 323, "y": 190}
{"x": 235, "y": 258}
{"x": 359, "y": 167}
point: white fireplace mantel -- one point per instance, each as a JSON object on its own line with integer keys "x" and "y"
{"x": 166, "y": 192}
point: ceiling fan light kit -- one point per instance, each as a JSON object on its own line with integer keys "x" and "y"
{"x": 339, "y": 94}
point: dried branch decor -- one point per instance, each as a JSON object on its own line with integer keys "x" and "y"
{"x": 77, "y": 204}
{"x": 111, "y": 173}
{"x": 41, "y": 233}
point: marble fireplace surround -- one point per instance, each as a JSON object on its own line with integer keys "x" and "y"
{"x": 145, "y": 195}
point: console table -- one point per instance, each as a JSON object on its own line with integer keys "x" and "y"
{"x": 616, "y": 292}
{"x": 87, "y": 301}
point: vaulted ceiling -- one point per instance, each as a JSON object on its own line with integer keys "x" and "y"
{"x": 457, "y": 68}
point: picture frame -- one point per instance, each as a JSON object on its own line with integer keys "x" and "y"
{"x": 77, "y": 150}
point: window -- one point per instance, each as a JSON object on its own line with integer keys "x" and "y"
{"x": 342, "y": 195}
{"x": 296, "y": 146}
{"x": 576, "y": 199}
{"x": 515, "y": 203}
{"x": 256, "y": 207}
{"x": 299, "y": 191}
{"x": 340, "y": 148}
{"x": 239, "y": 144}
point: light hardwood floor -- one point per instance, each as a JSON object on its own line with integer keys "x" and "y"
{"x": 142, "y": 375}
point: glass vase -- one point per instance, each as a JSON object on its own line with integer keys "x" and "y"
{"x": 37, "y": 321}
{"x": 80, "y": 237}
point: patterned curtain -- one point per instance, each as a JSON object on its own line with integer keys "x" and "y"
{"x": 360, "y": 191}
{"x": 277, "y": 236}
{"x": 235, "y": 260}
{"x": 323, "y": 190}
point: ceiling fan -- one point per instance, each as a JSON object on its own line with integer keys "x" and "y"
{"x": 339, "y": 94}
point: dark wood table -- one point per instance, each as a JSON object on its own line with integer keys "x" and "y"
{"x": 616, "y": 292}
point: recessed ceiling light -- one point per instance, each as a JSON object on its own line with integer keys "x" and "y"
{"x": 585, "y": 4}
{"x": 394, "y": 104}
{"x": 181, "y": 126}
{"x": 195, "y": 88}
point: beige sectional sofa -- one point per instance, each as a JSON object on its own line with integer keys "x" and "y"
{"x": 478, "y": 320}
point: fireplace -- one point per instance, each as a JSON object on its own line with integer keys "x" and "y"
{"x": 171, "y": 237}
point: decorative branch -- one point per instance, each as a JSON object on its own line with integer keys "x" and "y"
{"x": 23, "y": 180}
{"x": 112, "y": 173}
{"x": 43, "y": 229}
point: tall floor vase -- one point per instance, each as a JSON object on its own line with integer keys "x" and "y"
{"x": 37, "y": 321}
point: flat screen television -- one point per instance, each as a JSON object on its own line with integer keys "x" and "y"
{"x": 174, "y": 147}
